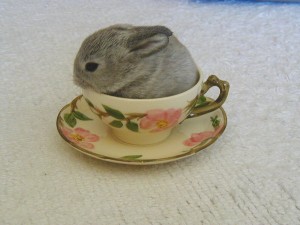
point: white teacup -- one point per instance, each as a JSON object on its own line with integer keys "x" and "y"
{"x": 149, "y": 121}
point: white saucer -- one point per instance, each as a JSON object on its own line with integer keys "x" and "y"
{"x": 85, "y": 132}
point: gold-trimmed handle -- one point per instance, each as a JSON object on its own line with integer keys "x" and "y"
{"x": 212, "y": 81}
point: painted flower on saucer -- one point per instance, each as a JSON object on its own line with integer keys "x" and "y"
{"x": 198, "y": 138}
{"x": 78, "y": 125}
{"x": 80, "y": 136}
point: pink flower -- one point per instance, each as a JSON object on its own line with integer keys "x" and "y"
{"x": 158, "y": 119}
{"x": 197, "y": 138}
{"x": 80, "y": 137}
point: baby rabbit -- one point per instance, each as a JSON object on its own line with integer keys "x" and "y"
{"x": 134, "y": 62}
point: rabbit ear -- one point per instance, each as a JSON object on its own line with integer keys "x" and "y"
{"x": 148, "y": 40}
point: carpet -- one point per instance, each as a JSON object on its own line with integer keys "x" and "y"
{"x": 250, "y": 175}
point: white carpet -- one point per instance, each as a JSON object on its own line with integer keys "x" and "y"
{"x": 251, "y": 175}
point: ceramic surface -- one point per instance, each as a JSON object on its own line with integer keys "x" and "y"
{"x": 84, "y": 131}
{"x": 143, "y": 121}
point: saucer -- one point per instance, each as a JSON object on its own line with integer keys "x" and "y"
{"x": 85, "y": 132}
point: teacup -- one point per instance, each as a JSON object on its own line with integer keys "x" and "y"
{"x": 149, "y": 121}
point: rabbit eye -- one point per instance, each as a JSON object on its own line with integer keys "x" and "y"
{"x": 91, "y": 67}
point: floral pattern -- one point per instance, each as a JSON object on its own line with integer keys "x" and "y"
{"x": 159, "y": 120}
{"x": 72, "y": 117}
{"x": 80, "y": 137}
{"x": 154, "y": 120}
{"x": 198, "y": 138}
{"x": 77, "y": 135}
{"x": 74, "y": 124}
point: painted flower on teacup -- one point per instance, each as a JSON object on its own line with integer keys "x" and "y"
{"x": 153, "y": 120}
{"x": 158, "y": 119}
{"x": 80, "y": 136}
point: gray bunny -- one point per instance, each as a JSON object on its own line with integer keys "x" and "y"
{"x": 134, "y": 62}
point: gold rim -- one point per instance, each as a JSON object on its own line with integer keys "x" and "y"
{"x": 192, "y": 151}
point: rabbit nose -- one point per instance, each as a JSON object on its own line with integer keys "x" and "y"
{"x": 91, "y": 66}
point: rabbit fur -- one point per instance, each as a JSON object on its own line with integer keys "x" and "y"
{"x": 138, "y": 62}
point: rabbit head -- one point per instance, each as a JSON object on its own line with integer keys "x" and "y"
{"x": 112, "y": 58}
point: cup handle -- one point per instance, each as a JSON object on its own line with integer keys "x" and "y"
{"x": 212, "y": 81}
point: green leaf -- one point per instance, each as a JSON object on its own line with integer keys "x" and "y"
{"x": 70, "y": 119}
{"x": 132, "y": 126}
{"x": 116, "y": 123}
{"x": 80, "y": 116}
{"x": 132, "y": 157}
{"x": 215, "y": 121}
{"x": 113, "y": 112}
{"x": 89, "y": 102}
{"x": 201, "y": 101}
{"x": 202, "y": 98}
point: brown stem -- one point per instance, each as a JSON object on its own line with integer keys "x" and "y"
{"x": 74, "y": 102}
{"x": 132, "y": 116}
{"x": 97, "y": 111}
